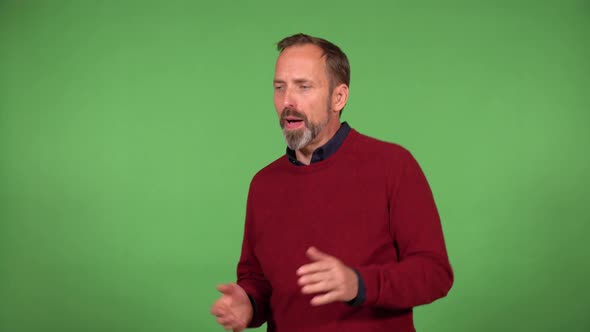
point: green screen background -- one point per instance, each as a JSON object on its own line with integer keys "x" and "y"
{"x": 129, "y": 132}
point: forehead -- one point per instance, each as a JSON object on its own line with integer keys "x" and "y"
{"x": 301, "y": 60}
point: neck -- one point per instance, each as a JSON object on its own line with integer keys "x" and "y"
{"x": 304, "y": 154}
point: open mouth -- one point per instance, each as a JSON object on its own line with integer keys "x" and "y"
{"x": 293, "y": 122}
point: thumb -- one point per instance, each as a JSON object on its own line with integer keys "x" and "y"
{"x": 227, "y": 289}
{"x": 316, "y": 255}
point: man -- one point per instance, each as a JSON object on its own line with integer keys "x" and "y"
{"x": 341, "y": 233}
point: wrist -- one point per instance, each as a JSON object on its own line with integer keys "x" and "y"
{"x": 360, "y": 294}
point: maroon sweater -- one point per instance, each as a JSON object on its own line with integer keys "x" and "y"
{"x": 368, "y": 205}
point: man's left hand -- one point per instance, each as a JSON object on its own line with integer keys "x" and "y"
{"x": 327, "y": 275}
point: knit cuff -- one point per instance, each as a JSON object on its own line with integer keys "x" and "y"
{"x": 361, "y": 294}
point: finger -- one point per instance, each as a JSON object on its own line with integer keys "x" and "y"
{"x": 312, "y": 278}
{"x": 219, "y": 308}
{"x": 321, "y": 266}
{"x": 233, "y": 326}
{"x": 320, "y": 287}
{"x": 227, "y": 289}
{"x": 225, "y": 320}
{"x": 316, "y": 255}
{"x": 228, "y": 323}
{"x": 324, "y": 299}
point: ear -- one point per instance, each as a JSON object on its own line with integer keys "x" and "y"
{"x": 339, "y": 97}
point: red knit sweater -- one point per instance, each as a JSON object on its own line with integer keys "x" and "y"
{"x": 368, "y": 205}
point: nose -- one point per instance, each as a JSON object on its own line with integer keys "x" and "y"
{"x": 288, "y": 98}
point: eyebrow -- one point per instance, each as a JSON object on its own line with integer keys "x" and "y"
{"x": 297, "y": 81}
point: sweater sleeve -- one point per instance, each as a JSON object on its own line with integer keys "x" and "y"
{"x": 422, "y": 272}
{"x": 249, "y": 272}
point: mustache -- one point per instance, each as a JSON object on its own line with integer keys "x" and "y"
{"x": 292, "y": 112}
{"x": 288, "y": 111}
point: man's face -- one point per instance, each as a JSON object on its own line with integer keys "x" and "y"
{"x": 302, "y": 94}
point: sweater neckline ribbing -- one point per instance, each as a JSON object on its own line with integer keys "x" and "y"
{"x": 339, "y": 154}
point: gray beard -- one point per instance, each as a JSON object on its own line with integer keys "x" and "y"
{"x": 298, "y": 139}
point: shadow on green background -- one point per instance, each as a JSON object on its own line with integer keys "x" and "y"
{"x": 129, "y": 132}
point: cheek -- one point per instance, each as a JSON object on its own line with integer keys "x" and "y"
{"x": 320, "y": 107}
{"x": 277, "y": 103}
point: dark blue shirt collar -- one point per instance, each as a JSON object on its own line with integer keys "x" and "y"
{"x": 325, "y": 150}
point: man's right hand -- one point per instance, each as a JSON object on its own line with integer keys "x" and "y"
{"x": 233, "y": 309}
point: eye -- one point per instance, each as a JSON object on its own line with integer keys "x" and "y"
{"x": 306, "y": 87}
{"x": 278, "y": 87}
